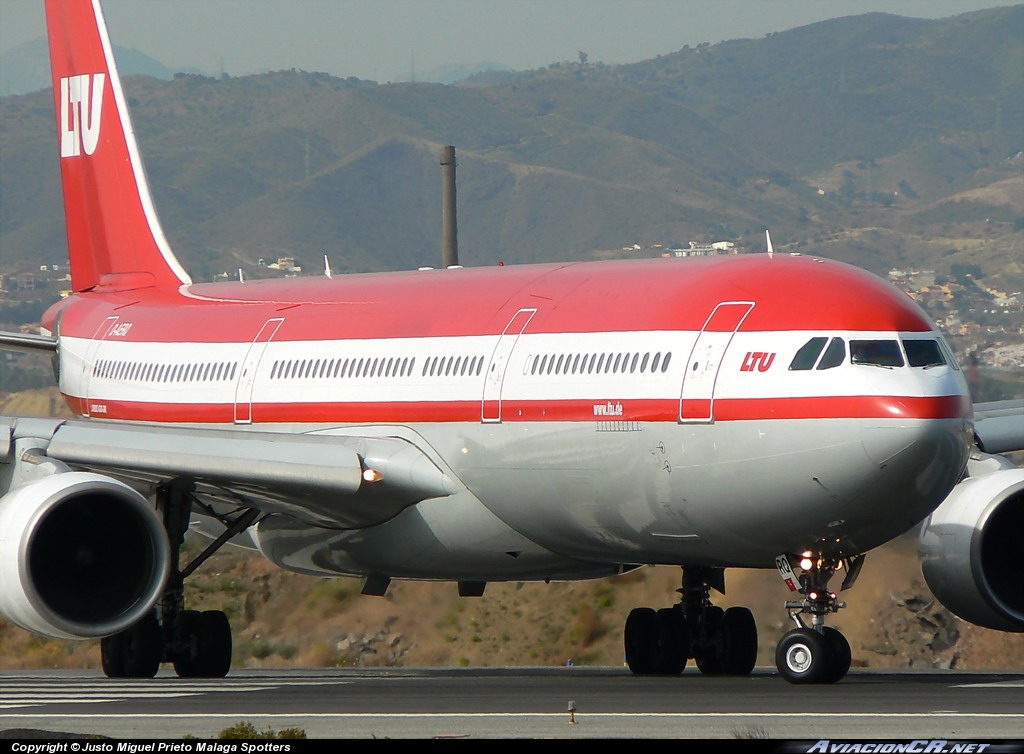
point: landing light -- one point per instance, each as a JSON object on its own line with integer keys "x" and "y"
{"x": 806, "y": 564}
{"x": 372, "y": 475}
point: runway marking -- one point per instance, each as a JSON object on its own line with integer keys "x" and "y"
{"x": 992, "y": 685}
{"x": 26, "y": 693}
{"x": 456, "y": 715}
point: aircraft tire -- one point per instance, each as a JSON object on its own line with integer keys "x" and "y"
{"x": 135, "y": 652}
{"x": 207, "y": 636}
{"x": 641, "y": 640}
{"x": 112, "y": 656}
{"x": 215, "y": 631}
{"x": 706, "y": 652}
{"x": 842, "y": 656}
{"x": 737, "y": 641}
{"x": 804, "y": 656}
{"x": 187, "y": 663}
{"x": 672, "y": 643}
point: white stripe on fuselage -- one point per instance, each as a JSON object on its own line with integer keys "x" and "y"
{"x": 755, "y": 366}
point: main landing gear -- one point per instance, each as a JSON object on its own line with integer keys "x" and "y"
{"x": 197, "y": 643}
{"x": 816, "y": 653}
{"x": 721, "y": 642}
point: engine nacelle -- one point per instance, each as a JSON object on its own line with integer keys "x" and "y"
{"x": 82, "y": 556}
{"x": 972, "y": 548}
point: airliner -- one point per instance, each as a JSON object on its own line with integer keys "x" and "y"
{"x": 481, "y": 424}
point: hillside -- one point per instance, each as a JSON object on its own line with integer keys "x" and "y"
{"x": 911, "y": 126}
{"x": 282, "y": 619}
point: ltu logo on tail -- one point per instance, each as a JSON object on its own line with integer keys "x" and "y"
{"x": 81, "y": 107}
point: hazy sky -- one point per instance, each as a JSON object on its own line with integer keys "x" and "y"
{"x": 390, "y": 39}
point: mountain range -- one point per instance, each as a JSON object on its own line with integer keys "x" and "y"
{"x": 880, "y": 140}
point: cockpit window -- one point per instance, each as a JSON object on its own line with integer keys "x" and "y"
{"x": 948, "y": 353}
{"x": 923, "y": 353}
{"x": 835, "y": 354}
{"x": 879, "y": 353}
{"x": 808, "y": 354}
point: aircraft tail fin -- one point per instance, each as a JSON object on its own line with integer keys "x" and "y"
{"x": 114, "y": 237}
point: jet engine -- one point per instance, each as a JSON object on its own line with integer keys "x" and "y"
{"x": 972, "y": 553}
{"x": 82, "y": 556}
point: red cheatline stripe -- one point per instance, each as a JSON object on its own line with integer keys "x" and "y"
{"x": 724, "y": 409}
{"x": 834, "y": 407}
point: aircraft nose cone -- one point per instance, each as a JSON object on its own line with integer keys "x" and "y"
{"x": 924, "y": 457}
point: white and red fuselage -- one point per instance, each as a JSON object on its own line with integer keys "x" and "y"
{"x": 609, "y": 413}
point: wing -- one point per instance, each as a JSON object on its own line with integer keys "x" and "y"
{"x": 27, "y": 343}
{"x": 337, "y": 481}
{"x": 999, "y": 426}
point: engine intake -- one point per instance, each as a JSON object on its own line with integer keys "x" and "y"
{"x": 82, "y": 556}
{"x": 971, "y": 552}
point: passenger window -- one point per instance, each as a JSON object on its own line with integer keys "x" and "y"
{"x": 879, "y": 353}
{"x": 807, "y": 355}
{"x": 923, "y": 353}
{"x": 835, "y": 354}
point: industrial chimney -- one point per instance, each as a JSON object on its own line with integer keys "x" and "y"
{"x": 449, "y": 225}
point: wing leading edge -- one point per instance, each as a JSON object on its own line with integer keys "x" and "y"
{"x": 332, "y": 481}
{"x": 27, "y": 343}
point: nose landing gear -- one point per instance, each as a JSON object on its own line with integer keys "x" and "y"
{"x": 815, "y": 653}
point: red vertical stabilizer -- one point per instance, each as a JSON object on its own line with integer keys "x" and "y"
{"x": 114, "y": 237}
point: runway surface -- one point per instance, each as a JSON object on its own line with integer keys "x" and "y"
{"x": 520, "y": 703}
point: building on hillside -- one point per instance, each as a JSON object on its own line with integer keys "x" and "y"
{"x": 698, "y": 249}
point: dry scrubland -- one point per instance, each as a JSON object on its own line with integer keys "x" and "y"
{"x": 282, "y": 619}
